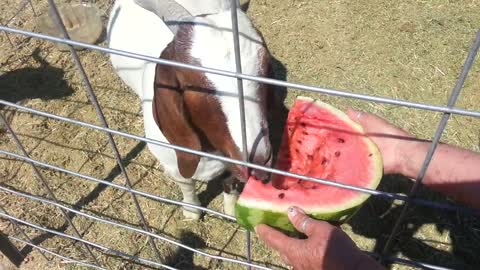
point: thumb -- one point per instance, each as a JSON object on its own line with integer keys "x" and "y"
{"x": 368, "y": 121}
{"x": 358, "y": 116}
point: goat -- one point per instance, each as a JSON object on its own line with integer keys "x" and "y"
{"x": 190, "y": 108}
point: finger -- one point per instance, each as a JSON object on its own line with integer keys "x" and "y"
{"x": 365, "y": 119}
{"x": 353, "y": 114}
{"x": 274, "y": 238}
{"x": 368, "y": 121}
{"x": 304, "y": 223}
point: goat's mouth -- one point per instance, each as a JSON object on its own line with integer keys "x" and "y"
{"x": 240, "y": 172}
{"x": 244, "y": 173}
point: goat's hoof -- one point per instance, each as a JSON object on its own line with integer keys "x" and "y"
{"x": 229, "y": 201}
{"x": 193, "y": 214}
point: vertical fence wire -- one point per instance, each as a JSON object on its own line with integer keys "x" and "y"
{"x": 93, "y": 99}
{"x": 436, "y": 139}
{"x": 22, "y": 232}
{"x": 241, "y": 104}
{"x": 44, "y": 183}
{"x": 22, "y": 7}
{"x": 33, "y": 9}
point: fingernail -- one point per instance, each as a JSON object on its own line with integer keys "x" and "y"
{"x": 293, "y": 211}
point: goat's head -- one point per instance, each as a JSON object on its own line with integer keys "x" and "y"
{"x": 201, "y": 111}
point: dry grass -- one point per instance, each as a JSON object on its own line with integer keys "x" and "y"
{"x": 411, "y": 50}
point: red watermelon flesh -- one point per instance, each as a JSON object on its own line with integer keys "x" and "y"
{"x": 319, "y": 141}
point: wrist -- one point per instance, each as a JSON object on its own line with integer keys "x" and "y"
{"x": 407, "y": 157}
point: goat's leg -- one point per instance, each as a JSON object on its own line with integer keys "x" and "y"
{"x": 190, "y": 196}
{"x": 230, "y": 195}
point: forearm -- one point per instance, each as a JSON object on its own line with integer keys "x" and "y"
{"x": 453, "y": 171}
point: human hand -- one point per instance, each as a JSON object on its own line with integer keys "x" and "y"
{"x": 391, "y": 140}
{"x": 327, "y": 247}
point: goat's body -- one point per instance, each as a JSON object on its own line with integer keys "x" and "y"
{"x": 134, "y": 29}
{"x": 124, "y": 34}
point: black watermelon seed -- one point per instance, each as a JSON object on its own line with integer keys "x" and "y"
{"x": 370, "y": 154}
{"x": 281, "y": 195}
{"x": 324, "y": 161}
{"x": 340, "y": 140}
{"x": 337, "y": 154}
{"x": 265, "y": 181}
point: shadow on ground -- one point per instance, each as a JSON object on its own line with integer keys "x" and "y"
{"x": 377, "y": 218}
{"x": 45, "y": 82}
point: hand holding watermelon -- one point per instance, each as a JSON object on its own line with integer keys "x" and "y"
{"x": 327, "y": 246}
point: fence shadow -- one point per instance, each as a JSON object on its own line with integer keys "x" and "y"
{"x": 45, "y": 82}
{"x": 93, "y": 195}
{"x": 377, "y": 218}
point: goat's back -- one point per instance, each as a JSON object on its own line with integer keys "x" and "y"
{"x": 134, "y": 29}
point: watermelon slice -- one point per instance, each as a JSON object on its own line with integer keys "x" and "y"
{"x": 319, "y": 141}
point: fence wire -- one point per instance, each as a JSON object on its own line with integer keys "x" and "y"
{"x": 410, "y": 198}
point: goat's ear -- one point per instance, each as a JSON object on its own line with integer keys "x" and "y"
{"x": 171, "y": 117}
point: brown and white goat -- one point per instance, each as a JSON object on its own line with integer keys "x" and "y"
{"x": 190, "y": 108}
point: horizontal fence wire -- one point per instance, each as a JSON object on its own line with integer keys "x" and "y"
{"x": 140, "y": 231}
{"x": 95, "y": 245}
{"x": 315, "y": 89}
{"x": 42, "y": 249}
{"x": 381, "y": 194}
{"x": 123, "y": 226}
{"x": 407, "y": 262}
{"x": 117, "y": 186}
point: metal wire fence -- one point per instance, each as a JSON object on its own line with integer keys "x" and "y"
{"x": 92, "y": 261}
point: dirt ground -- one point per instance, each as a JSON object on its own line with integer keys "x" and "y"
{"x": 409, "y": 50}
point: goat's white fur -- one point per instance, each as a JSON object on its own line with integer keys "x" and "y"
{"x": 132, "y": 28}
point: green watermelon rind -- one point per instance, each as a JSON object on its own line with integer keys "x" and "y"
{"x": 249, "y": 214}
{"x": 251, "y": 217}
